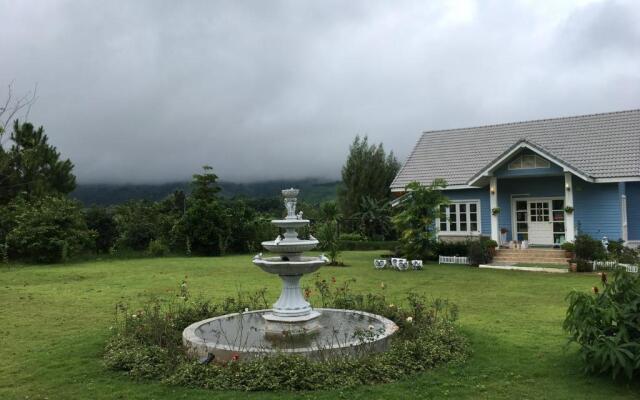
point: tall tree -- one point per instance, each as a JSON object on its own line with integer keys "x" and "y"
{"x": 32, "y": 167}
{"x": 368, "y": 172}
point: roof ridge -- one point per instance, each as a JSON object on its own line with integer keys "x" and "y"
{"x": 533, "y": 120}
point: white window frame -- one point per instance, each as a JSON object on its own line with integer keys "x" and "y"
{"x": 458, "y": 232}
{"x": 538, "y": 163}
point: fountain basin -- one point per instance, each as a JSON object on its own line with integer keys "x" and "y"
{"x": 245, "y": 335}
{"x": 301, "y": 265}
{"x": 285, "y": 246}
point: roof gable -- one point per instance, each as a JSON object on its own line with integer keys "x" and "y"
{"x": 599, "y": 147}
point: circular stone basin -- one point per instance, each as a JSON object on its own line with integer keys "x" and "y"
{"x": 342, "y": 333}
{"x": 301, "y": 265}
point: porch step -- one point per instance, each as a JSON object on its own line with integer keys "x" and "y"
{"x": 539, "y": 256}
{"x": 529, "y": 260}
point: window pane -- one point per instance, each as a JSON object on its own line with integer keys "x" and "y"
{"x": 452, "y": 213}
{"x": 443, "y": 225}
{"x": 528, "y": 161}
{"x": 473, "y": 207}
{"x": 558, "y": 227}
{"x": 558, "y": 215}
{"x": 542, "y": 163}
{"x": 463, "y": 226}
{"x": 521, "y": 216}
{"x": 473, "y": 217}
{"x": 522, "y": 227}
{"x": 463, "y": 217}
{"x": 463, "y": 208}
{"x": 521, "y": 205}
{"x": 474, "y": 226}
{"x": 558, "y": 204}
{"x": 516, "y": 164}
{"x": 452, "y": 227}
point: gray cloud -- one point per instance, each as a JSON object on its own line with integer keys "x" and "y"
{"x": 150, "y": 91}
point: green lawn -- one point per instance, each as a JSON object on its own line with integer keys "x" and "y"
{"x": 55, "y": 319}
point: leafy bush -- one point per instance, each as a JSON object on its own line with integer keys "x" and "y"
{"x": 619, "y": 252}
{"x": 157, "y": 248}
{"x": 368, "y": 245}
{"x": 415, "y": 222}
{"x": 588, "y": 248}
{"x": 451, "y": 249}
{"x": 351, "y": 237}
{"x": 49, "y": 229}
{"x": 101, "y": 221}
{"x": 606, "y": 325}
{"x": 568, "y": 247}
{"x": 481, "y": 250}
{"x": 147, "y": 343}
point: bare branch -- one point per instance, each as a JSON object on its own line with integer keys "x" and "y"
{"x": 13, "y": 107}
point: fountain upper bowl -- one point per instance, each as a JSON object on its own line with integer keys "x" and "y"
{"x": 299, "y": 266}
{"x": 293, "y": 246}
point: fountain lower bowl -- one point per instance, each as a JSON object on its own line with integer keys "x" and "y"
{"x": 298, "y": 266}
{"x": 339, "y": 333}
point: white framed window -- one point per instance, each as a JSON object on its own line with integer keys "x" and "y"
{"x": 460, "y": 217}
{"x": 529, "y": 161}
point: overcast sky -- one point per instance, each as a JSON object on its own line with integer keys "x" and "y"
{"x": 148, "y": 91}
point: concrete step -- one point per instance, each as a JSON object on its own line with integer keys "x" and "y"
{"x": 535, "y": 253}
{"x": 531, "y": 255}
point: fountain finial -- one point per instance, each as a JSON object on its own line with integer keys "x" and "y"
{"x": 290, "y": 200}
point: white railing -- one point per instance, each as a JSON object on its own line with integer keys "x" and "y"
{"x": 613, "y": 265}
{"x": 453, "y": 260}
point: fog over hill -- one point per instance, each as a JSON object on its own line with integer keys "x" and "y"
{"x": 311, "y": 190}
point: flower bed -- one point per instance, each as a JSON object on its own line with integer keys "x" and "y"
{"x": 146, "y": 344}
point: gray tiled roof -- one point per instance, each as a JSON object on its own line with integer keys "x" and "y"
{"x": 600, "y": 145}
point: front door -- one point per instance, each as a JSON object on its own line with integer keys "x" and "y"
{"x": 540, "y": 224}
{"x": 539, "y": 221}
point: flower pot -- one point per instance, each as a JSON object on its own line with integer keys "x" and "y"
{"x": 573, "y": 267}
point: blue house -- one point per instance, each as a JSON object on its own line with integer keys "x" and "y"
{"x": 541, "y": 181}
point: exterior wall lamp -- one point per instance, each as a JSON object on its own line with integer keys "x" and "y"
{"x": 493, "y": 190}
{"x": 568, "y": 187}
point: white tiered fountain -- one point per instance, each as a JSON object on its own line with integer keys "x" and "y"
{"x": 291, "y": 313}
{"x": 292, "y": 326}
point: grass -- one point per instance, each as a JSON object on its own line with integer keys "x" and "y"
{"x": 54, "y": 321}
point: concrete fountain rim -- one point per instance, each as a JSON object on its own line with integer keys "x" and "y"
{"x": 191, "y": 339}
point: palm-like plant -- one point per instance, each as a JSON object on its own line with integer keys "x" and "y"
{"x": 374, "y": 216}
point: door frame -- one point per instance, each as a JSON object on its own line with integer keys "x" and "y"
{"x": 530, "y": 199}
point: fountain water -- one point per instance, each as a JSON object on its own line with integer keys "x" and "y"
{"x": 292, "y": 325}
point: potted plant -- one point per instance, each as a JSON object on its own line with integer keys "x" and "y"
{"x": 569, "y": 248}
{"x": 573, "y": 265}
{"x": 568, "y": 209}
{"x": 495, "y": 211}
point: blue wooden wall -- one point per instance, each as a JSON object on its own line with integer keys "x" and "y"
{"x": 597, "y": 209}
{"x": 633, "y": 209}
{"x": 597, "y": 206}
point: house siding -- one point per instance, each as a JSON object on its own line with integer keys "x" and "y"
{"x": 633, "y": 210}
{"x": 597, "y": 205}
{"x": 597, "y": 209}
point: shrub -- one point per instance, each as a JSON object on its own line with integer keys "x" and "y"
{"x": 157, "y": 248}
{"x": 147, "y": 344}
{"x": 352, "y": 237}
{"x": 606, "y": 325}
{"x": 48, "y": 230}
{"x": 452, "y": 249}
{"x": 588, "y": 248}
{"x": 101, "y": 221}
{"x": 569, "y": 247}
{"x": 619, "y": 252}
{"x": 481, "y": 250}
{"x": 368, "y": 245}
